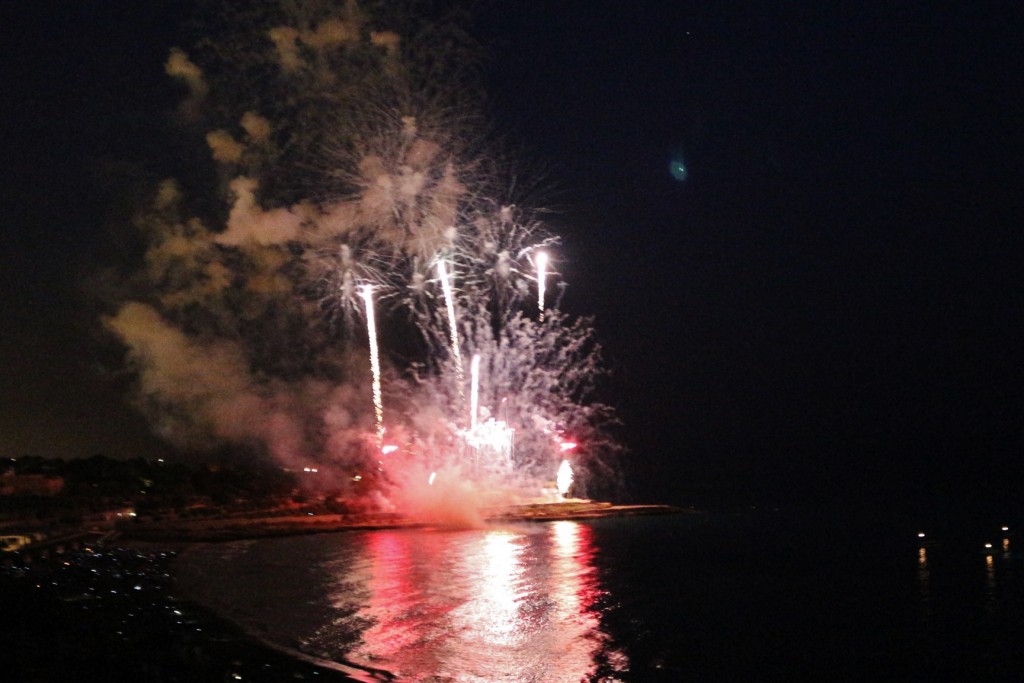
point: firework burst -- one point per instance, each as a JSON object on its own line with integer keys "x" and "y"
{"x": 360, "y": 200}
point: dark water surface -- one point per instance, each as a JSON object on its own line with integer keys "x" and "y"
{"x": 694, "y": 597}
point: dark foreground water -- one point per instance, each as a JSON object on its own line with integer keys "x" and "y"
{"x": 701, "y": 597}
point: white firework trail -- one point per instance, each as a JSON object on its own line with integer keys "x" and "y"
{"x": 453, "y": 330}
{"x": 542, "y": 274}
{"x": 371, "y": 328}
{"x": 474, "y": 391}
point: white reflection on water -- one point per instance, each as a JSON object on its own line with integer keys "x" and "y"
{"x": 511, "y": 604}
{"x": 494, "y": 573}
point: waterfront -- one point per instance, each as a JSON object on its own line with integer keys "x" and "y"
{"x": 685, "y": 597}
{"x": 701, "y": 597}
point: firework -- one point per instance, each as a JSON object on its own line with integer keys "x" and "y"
{"x": 474, "y": 391}
{"x": 564, "y": 478}
{"x": 453, "y": 330}
{"x": 371, "y": 328}
{"x": 542, "y": 274}
{"x": 491, "y": 445}
{"x": 247, "y": 298}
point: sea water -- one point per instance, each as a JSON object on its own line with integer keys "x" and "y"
{"x": 687, "y": 597}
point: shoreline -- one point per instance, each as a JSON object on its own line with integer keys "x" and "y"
{"x": 118, "y": 608}
{"x": 119, "y": 595}
{"x": 257, "y": 526}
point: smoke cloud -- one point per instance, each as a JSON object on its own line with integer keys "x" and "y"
{"x": 248, "y": 222}
{"x": 180, "y": 67}
{"x": 198, "y": 391}
{"x": 225, "y": 148}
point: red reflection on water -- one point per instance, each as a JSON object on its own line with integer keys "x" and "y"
{"x": 406, "y": 612}
{"x": 389, "y": 581}
{"x": 577, "y": 589}
{"x": 498, "y": 605}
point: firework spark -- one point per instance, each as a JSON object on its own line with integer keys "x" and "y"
{"x": 542, "y": 274}
{"x": 564, "y": 478}
{"x": 453, "y": 330}
{"x": 371, "y": 328}
{"x": 474, "y": 391}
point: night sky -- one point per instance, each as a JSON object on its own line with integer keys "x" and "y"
{"x": 828, "y": 309}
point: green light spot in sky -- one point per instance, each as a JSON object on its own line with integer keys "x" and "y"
{"x": 677, "y": 169}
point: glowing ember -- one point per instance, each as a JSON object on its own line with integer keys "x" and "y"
{"x": 564, "y": 479}
{"x": 371, "y": 328}
{"x": 566, "y": 446}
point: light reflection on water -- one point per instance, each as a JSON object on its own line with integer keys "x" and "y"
{"x": 679, "y": 597}
{"x": 509, "y": 604}
{"x": 513, "y": 604}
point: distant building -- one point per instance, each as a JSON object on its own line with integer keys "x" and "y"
{"x": 12, "y": 484}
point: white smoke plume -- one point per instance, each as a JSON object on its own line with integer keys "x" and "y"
{"x": 248, "y": 222}
{"x": 201, "y": 390}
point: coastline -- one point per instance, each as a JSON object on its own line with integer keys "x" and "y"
{"x": 119, "y": 596}
{"x": 262, "y": 526}
{"x": 209, "y": 531}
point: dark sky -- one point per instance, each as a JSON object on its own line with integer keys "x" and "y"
{"x": 81, "y": 88}
{"x": 828, "y": 308}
